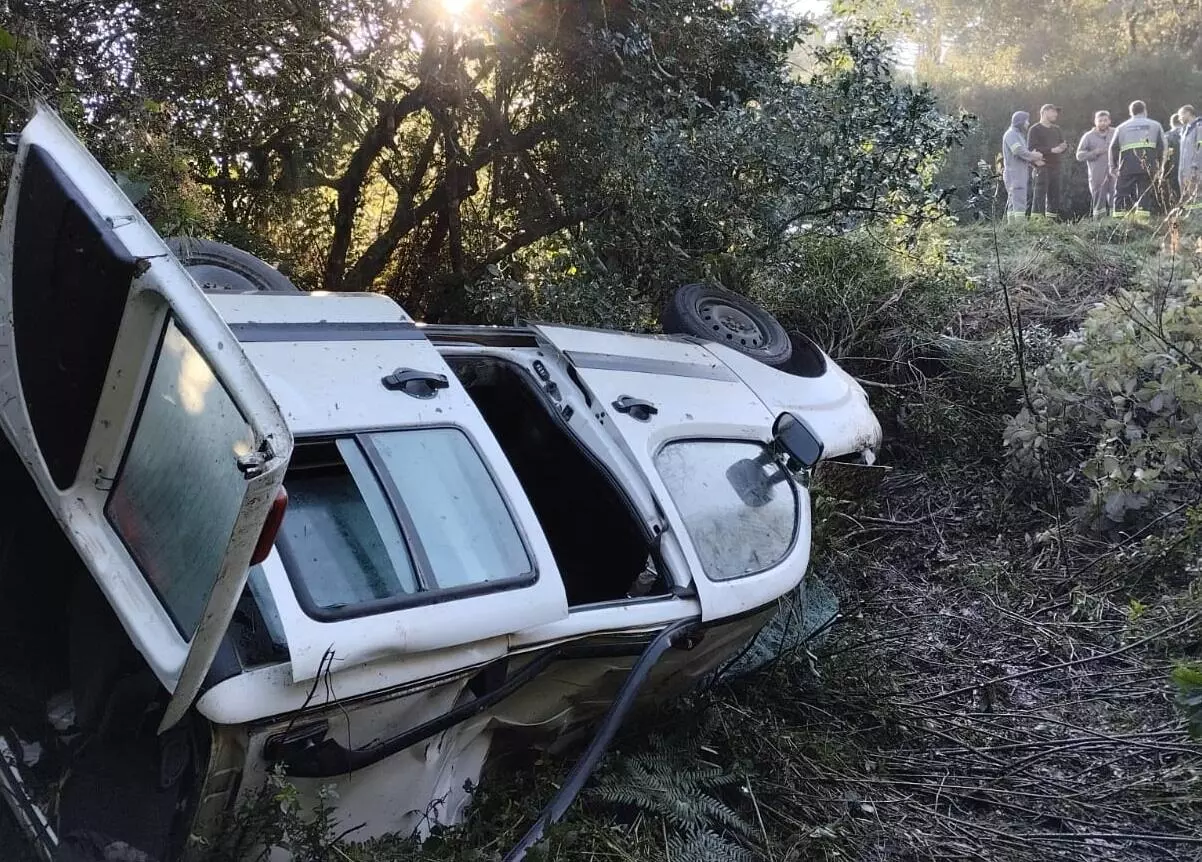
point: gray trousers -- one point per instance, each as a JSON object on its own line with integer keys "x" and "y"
{"x": 1191, "y": 195}
{"x": 1016, "y": 194}
{"x": 1101, "y": 190}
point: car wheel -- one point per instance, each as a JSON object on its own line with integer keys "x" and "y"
{"x": 221, "y": 268}
{"x": 719, "y": 315}
{"x": 84, "y": 846}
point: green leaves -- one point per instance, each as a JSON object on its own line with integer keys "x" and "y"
{"x": 1119, "y": 405}
{"x": 676, "y": 783}
{"x": 1188, "y": 679}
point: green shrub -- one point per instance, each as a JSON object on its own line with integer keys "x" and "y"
{"x": 865, "y": 293}
{"x": 1117, "y": 412}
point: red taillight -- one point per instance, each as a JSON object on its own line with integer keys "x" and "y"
{"x": 271, "y": 526}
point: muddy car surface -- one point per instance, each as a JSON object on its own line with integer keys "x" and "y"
{"x": 249, "y": 528}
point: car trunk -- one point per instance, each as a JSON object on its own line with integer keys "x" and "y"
{"x": 600, "y": 548}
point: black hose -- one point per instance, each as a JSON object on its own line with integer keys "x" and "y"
{"x": 584, "y": 767}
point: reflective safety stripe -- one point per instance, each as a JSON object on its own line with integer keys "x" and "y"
{"x": 1014, "y": 148}
{"x": 1140, "y": 145}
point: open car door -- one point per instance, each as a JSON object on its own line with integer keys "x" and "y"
{"x": 146, "y": 429}
{"x": 701, "y": 438}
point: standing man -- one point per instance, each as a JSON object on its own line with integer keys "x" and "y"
{"x": 1171, "y": 189}
{"x": 1189, "y": 166}
{"x": 1094, "y": 150}
{"x": 1046, "y": 139}
{"x": 1136, "y": 151}
{"x": 1016, "y": 165}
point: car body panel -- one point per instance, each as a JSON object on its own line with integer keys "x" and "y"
{"x": 833, "y": 403}
{"x": 324, "y": 365}
{"x": 696, "y": 397}
{"x": 155, "y": 321}
{"x": 439, "y": 772}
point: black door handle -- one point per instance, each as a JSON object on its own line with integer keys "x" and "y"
{"x": 419, "y": 384}
{"x": 636, "y": 408}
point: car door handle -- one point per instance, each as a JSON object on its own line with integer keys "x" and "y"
{"x": 636, "y": 408}
{"x": 418, "y": 384}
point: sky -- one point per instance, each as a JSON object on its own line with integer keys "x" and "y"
{"x": 904, "y": 53}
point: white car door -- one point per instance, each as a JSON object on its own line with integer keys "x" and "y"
{"x": 148, "y": 432}
{"x": 700, "y": 436}
{"x": 407, "y": 530}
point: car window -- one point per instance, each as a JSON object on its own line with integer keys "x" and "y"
{"x": 738, "y": 504}
{"x": 382, "y": 520}
{"x": 256, "y": 627}
{"x": 176, "y": 514}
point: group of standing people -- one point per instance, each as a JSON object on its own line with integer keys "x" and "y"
{"x": 1134, "y": 168}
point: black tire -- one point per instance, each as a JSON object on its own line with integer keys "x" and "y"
{"x": 221, "y": 268}
{"x": 718, "y": 315}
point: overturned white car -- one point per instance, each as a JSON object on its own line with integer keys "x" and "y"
{"x": 248, "y": 528}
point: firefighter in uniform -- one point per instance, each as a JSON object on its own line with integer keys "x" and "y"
{"x": 1016, "y": 165}
{"x": 1136, "y": 151}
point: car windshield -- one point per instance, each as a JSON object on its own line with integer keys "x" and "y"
{"x": 383, "y": 520}
{"x": 738, "y": 504}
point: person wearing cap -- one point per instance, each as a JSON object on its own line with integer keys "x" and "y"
{"x": 1094, "y": 149}
{"x": 1016, "y": 165}
{"x": 1172, "y": 149}
{"x": 1189, "y": 164}
{"x": 1047, "y": 139}
{"x": 1136, "y": 151}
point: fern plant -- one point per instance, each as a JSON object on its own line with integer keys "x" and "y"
{"x": 703, "y": 845}
{"x": 673, "y": 782}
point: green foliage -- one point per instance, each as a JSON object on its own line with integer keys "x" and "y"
{"x": 870, "y": 292}
{"x": 648, "y": 143}
{"x": 1188, "y": 679}
{"x": 558, "y": 286}
{"x": 704, "y": 846}
{"x": 273, "y": 818}
{"x": 675, "y": 784}
{"x": 691, "y": 185}
{"x": 1116, "y": 411}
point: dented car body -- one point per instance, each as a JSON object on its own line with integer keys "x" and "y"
{"x": 306, "y": 532}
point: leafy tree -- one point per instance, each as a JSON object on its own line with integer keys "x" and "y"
{"x": 377, "y": 144}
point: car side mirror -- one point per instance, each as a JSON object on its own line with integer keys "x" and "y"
{"x": 795, "y": 436}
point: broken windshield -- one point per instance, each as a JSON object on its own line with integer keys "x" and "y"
{"x": 379, "y": 521}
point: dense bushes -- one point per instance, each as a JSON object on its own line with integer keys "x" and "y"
{"x": 1117, "y": 412}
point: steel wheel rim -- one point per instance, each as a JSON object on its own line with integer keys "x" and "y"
{"x": 731, "y": 324}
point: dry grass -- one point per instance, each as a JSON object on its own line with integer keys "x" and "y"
{"x": 982, "y": 705}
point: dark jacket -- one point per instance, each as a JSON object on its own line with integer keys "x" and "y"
{"x": 1042, "y": 139}
{"x": 1172, "y": 151}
